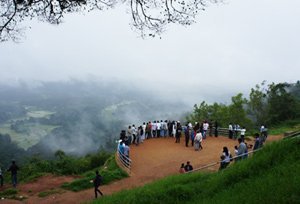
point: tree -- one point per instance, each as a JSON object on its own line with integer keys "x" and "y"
{"x": 237, "y": 111}
{"x": 282, "y": 105}
{"x": 149, "y": 17}
{"x": 258, "y": 103}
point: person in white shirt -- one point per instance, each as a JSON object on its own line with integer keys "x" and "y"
{"x": 144, "y": 132}
{"x": 198, "y": 141}
{"x": 243, "y": 132}
{"x": 205, "y": 128}
{"x": 153, "y": 129}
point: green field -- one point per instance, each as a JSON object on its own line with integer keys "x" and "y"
{"x": 26, "y": 140}
{"x": 35, "y": 132}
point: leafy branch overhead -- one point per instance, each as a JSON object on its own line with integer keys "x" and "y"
{"x": 149, "y": 17}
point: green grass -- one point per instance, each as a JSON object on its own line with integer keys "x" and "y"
{"x": 270, "y": 176}
{"x": 110, "y": 172}
{"x": 50, "y": 192}
{"x": 10, "y": 193}
{"x": 287, "y": 126}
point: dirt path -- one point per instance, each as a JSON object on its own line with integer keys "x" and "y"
{"x": 152, "y": 160}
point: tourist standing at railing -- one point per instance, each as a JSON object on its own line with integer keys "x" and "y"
{"x": 170, "y": 128}
{"x": 126, "y": 152}
{"x": 144, "y": 132}
{"x": 216, "y": 129}
{"x": 257, "y": 142}
{"x": 230, "y": 131}
{"x": 148, "y": 130}
{"x": 134, "y": 132}
{"x": 129, "y": 135}
{"x": 178, "y": 132}
{"x": 242, "y": 149}
{"x": 153, "y": 126}
{"x": 205, "y": 128}
{"x": 243, "y": 132}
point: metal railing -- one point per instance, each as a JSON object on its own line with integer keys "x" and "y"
{"x": 235, "y": 158}
{"x": 293, "y": 135}
{"x": 123, "y": 161}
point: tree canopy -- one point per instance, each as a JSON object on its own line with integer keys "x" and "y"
{"x": 149, "y": 17}
{"x": 267, "y": 104}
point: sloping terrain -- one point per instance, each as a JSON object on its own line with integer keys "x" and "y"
{"x": 152, "y": 160}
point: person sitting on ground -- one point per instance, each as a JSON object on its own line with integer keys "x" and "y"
{"x": 97, "y": 182}
{"x": 188, "y": 167}
{"x": 182, "y": 170}
{"x": 225, "y": 158}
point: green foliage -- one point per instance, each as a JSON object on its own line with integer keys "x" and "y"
{"x": 50, "y": 192}
{"x": 270, "y": 176}
{"x": 268, "y": 104}
{"x": 235, "y": 112}
{"x": 110, "y": 172}
{"x": 9, "y": 192}
{"x": 63, "y": 165}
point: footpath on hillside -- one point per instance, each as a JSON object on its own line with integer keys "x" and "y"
{"x": 151, "y": 160}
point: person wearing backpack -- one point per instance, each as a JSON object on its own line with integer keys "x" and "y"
{"x": 97, "y": 182}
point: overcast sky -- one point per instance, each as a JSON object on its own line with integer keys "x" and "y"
{"x": 232, "y": 47}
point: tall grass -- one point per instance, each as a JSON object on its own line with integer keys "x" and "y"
{"x": 269, "y": 176}
{"x": 110, "y": 172}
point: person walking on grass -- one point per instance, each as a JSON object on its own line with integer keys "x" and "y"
{"x": 97, "y": 182}
{"x": 14, "y": 170}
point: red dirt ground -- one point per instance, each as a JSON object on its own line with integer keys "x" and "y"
{"x": 152, "y": 160}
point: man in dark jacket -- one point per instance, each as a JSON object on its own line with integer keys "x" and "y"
{"x": 97, "y": 183}
{"x": 188, "y": 167}
{"x": 13, "y": 169}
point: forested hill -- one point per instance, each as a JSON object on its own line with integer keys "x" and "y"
{"x": 76, "y": 117}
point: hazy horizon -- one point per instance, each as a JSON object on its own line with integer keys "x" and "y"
{"x": 232, "y": 47}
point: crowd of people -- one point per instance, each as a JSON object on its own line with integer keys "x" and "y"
{"x": 194, "y": 134}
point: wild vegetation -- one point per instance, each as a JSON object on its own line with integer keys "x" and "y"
{"x": 269, "y": 176}
{"x": 272, "y": 105}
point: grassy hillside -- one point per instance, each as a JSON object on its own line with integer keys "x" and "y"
{"x": 270, "y": 176}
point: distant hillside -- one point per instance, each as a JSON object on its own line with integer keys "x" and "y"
{"x": 77, "y": 117}
{"x": 270, "y": 176}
